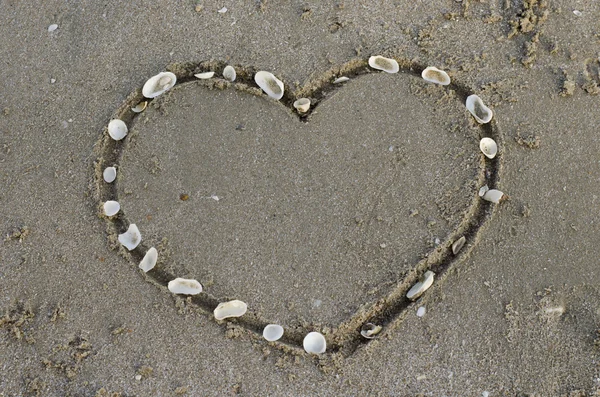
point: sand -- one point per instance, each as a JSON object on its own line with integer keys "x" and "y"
{"x": 321, "y": 223}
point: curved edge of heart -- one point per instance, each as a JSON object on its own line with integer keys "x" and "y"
{"x": 389, "y": 310}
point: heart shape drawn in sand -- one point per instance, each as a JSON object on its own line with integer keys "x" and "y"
{"x": 321, "y": 221}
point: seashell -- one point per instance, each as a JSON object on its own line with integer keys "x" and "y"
{"x": 458, "y": 244}
{"x": 233, "y": 308}
{"x": 52, "y": 27}
{"x": 421, "y": 311}
{"x": 386, "y": 64}
{"x": 140, "y": 107}
{"x": 420, "y": 287}
{"x": 149, "y": 260}
{"x": 370, "y": 330}
{"x": 483, "y": 190}
{"x": 270, "y": 84}
{"x": 205, "y": 75}
{"x": 493, "y": 195}
{"x": 435, "y": 75}
{"x": 131, "y": 238}
{"x": 158, "y": 84}
{"x": 302, "y": 105}
{"x": 184, "y": 286}
{"x": 342, "y": 79}
{"x": 117, "y": 129}
{"x": 482, "y": 113}
{"x": 111, "y": 208}
{"x": 229, "y": 73}
{"x": 273, "y": 332}
{"x": 488, "y": 147}
{"x": 109, "y": 174}
{"x": 314, "y": 343}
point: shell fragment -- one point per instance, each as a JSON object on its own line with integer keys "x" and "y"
{"x": 370, "y": 330}
{"x": 342, "y": 79}
{"x": 185, "y": 286}
{"x": 131, "y": 238}
{"x": 205, "y": 75}
{"x": 386, "y": 64}
{"x": 229, "y": 73}
{"x": 475, "y": 106}
{"x": 234, "y": 308}
{"x": 109, "y": 174}
{"x": 270, "y": 84}
{"x": 273, "y": 332}
{"x": 157, "y": 85}
{"x": 117, "y": 129}
{"x": 149, "y": 260}
{"x": 140, "y": 107}
{"x": 314, "y": 343}
{"x": 111, "y": 208}
{"x": 302, "y": 105}
{"x": 493, "y": 195}
{"x": 421, "y": 286}
{"x": 435, "y": 75}
{"x": 488, "y": 147}
{"x": 458, "y": 244}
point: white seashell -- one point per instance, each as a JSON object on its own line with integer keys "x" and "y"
{"x": 314, "y": 343}
{"x": 109, "y": 174}
{"x": 233, "y": 308}
{"x": 493, "y": 195}
{"x": 111, "y": 208}
{"x": 140, "y": 107}
{"x": 222, "y": 10}
{"x": 273, "y": 332}
{"x": 435, "y": 75}
{"x": 117, "y": 129}
{"x": 458, "y": 244}
{"x": 370, "y": 330}
{"x": 488, "y": 147}
{"x": 205, "y": 75}
{"x": 342, "y": 79}
{"x": 420, "y": 287}
{"x": 52, "y": 27}
{"x": 386, "y": 64}
{"x": 184, "y": 286}
{"x": 270, "y": 84}
{"x": 158, "y": 84}
{"x": 482, "y": 113}
{"x": 302, "y": 105}
{"x": 131, "y": 238}
{"x": 483, "y": 190}
{"x": 421, "y": 311}
{"x": 149, "y": 260}
{"x": 229, "y": 73}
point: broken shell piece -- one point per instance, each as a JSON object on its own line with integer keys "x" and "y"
{"x": 149, "y": 260}
{"x": 140, "y": 107}
{"x": 111, "y": 208}
{"x": 158, "y": 84}
{"x": 341, "y": 80}
{"x": 488, "y": 147}
{"x": 386, "y": 64}
{"x": 229, "y": 73}
{"x": 314, "y": 343}
{"x": 273, "y": 332}
{"x": 421, "y": 286}
{"x": 482, "y": 113}
{"x": 270, "y": 84}
{"x": 109, "y": 174}
{"x": 131, "y": 238}
{"x": 205, "y": 75}
{"x": 493, "y": 195}
{"x": 483, "y": 190}
{"x": 233, "y": 308}
{"x": 458, "y": 244}
{"x": 435, "y": 75}
{"x": 185, "y": 286}
{"x": 117, "y": 129}
{"x": 52, "y": 27}
{"x": 302, "y": 105}
{"x": 370, "y": 330}
{"x": 421, "y": 311}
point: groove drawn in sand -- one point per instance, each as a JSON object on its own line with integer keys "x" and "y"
{"x": 389, "y": 310}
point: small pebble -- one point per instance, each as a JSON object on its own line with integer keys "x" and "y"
{"x": 222, "y": 10}
{"x": 52, "y": 81}
{"x": 577, "y": 12}
{"x": 52, "y": 27}
{"x": 138, "y": 377}
{"x": 421, "y": 311}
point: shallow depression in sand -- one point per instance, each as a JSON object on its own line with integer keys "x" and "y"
{"x": 303, "y": 221}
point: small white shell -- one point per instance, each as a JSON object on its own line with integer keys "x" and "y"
{"x": 52, "y": 27}
{"x": 458, "y": 244}
{"x": 273, "y": 332}
{"x": 149, "y": 260}
{"x": 386, "y": 64}
{"x": 158, "y": 84}
{"x": 109, "y": 174}
{"x": 493, "y": 195}
{"x": 234, "y": 308}
{"x": 342, "y": 79}
{"x": 314, "y": 343}
{"x": 488, "y": 147}
{"x": 435, "y": 75}
{"x": 370, "y": 330}
{"x": 482, "y": 113}
{"x": 140, "y": 107}
{"x": 111, "y": 208}
{"x": 229, "y": 73}
{"x": 483, "y": 190}
{"x": 270, "y": 84}
{"x": 117, "y": 129}
{"x": 131, "y": 238}
{"x": 205, "y": 75}
{"x": 421, "y": 311}
{"x": 185, "y": 286}
{"x": 302, "y": 105}
{"x": 421, "y": 286}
